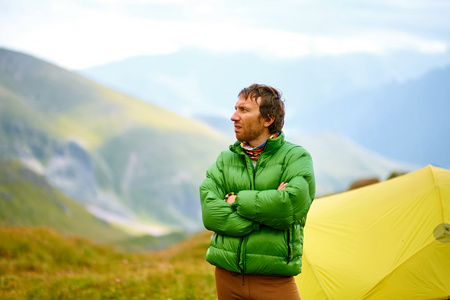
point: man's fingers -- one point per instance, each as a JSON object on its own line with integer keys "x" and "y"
{"x": 282, "y": 186}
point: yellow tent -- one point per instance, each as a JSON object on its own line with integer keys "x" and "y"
{"x": 390, "y": 240}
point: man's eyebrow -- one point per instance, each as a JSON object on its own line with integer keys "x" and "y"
{"x": 242, "y": 105}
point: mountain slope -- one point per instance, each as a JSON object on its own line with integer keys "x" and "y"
{"x": 28, "y": 199}
{"x": 75, "y": 106}
{"x": 407, "y": 121}
{"x": 338, "y": 162}
{"x": 122, "y": 158}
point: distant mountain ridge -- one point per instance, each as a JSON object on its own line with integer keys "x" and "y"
{"x": 404, "y": 121}
{"x": 393, "y": 105}
{"x": 198, "y": 82}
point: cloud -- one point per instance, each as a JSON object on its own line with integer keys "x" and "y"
{"x": 76, "y": 36}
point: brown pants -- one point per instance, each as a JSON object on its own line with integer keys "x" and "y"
{"x": 256, "y": 287}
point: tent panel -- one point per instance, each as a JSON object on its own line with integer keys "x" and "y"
{"x": 424, "y": 276}
{"x": 354, "y": 240}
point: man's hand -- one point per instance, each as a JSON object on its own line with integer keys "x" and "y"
{"x": 231, "y": 199}
{"x": 282, "y": 186}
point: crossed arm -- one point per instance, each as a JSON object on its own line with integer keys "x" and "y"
{"x": 232, "y": 198}
{"x": 249, "y": 209}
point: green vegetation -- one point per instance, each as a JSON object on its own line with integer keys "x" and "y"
{"x": 37, "y": 263}
{"x": 26, "y": 198}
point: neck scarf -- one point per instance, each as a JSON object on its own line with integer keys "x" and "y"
{"x": 255, "y": 152}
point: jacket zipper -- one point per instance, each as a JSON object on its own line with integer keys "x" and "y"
{"x": 239, "y": 258}
{"x": 245, "y": 157}
{"x": 289, "y": 245}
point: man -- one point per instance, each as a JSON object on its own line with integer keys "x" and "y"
{"x": 255, "y": 198}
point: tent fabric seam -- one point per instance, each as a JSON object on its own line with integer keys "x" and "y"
{"x": 436, "y": 184}
{"x": 396, "y": 267}
{"x": 315, "y": 276}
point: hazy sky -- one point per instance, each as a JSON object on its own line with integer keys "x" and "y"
{"x": 81, "y": 33}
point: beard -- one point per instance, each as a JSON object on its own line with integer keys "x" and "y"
{"x": 249, "y": 133}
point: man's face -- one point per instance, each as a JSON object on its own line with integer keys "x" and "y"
{"x": 248, "y": 123}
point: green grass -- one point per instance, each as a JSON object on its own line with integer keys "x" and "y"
{"x": 37, "y": 263}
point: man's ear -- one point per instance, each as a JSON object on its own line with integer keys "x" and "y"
{"x": 269, "y": 120}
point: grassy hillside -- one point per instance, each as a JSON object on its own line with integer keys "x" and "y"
{"x": 37, "y": 263}
{"x": 28, "y": 199}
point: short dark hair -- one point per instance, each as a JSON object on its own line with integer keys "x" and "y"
{"x": 271, "y": 103}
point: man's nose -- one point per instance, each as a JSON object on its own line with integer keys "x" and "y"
{"x": 234, "y": 116}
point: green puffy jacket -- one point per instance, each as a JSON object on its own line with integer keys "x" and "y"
{"x": 262, "y": 231}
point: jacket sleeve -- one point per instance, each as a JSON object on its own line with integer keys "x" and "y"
{"x": 279, "y": 209}
{"x": 217, "y": 214}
